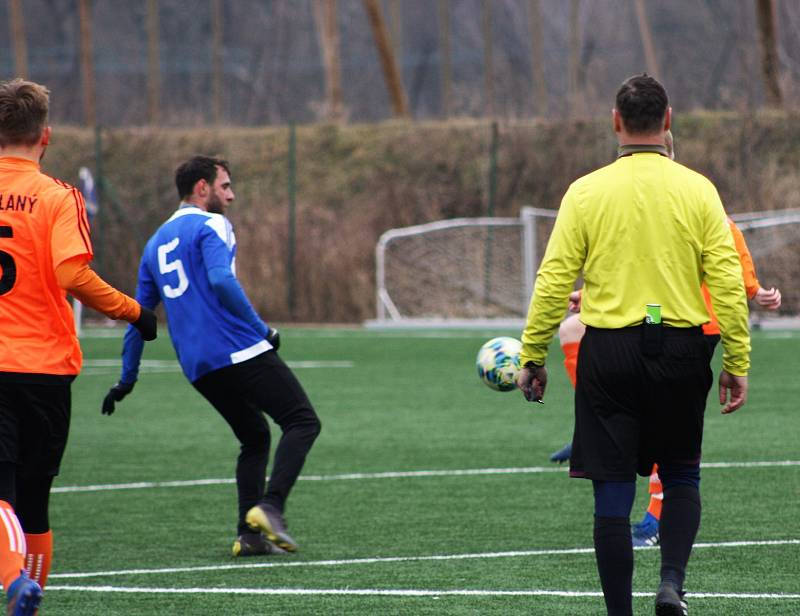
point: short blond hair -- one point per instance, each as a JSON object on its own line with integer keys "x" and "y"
{"x": 24, "y": 106}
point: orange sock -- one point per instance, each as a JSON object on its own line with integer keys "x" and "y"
{"x": 12, "y": 545}
{"x": 656, "y": 494}
{"x": 571, "y": 360}
{"x": 39, "y": 556}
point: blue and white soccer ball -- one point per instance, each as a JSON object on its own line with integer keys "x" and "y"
{"x": 498, "y": 363}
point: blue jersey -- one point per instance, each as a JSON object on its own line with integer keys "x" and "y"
{"x": 175, "y": 270}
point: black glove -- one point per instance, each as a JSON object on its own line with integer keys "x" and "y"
{"x": 147, "y": 324}
{"x": 116, "y": 394}
{"x": 274, "y": 338}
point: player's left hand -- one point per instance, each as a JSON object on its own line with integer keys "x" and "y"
{"x": 771, "y": 300}
{"x": 274, "y": 338}
{"x": 532, "y": 381}
{"x": 115, "y": 394}
{"x": 732, "y": 391}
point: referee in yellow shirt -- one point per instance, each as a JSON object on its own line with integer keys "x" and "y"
{"x": 643, "y": 230}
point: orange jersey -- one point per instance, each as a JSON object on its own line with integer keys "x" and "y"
{"x": 42, "y": 224}
{"x": 751, "y": 284}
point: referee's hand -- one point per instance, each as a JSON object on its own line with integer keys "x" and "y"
{"x": 532, "y": 382}
{"x": 732, "y": 391}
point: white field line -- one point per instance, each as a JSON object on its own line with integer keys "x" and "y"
{"x": 390, "y": 592}
{"x": 281, "y": 564}
{"x": 110, "y": 366}
{"x": 360, "y": 333}
{"x": 530, "y": 470}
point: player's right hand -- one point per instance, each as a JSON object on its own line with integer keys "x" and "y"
{"x": 532, "y": 381}
{"x": 116, "y": 394}
{"x": 147, "y": 324}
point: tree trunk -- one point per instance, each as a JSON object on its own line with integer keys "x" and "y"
{"x": 87, "y": 63}
{"x": 575, "y": 102}
{"x": 328, "y": 30}
{"x": 216, "y": 60}
{"x": 153, "y": 64}
{"x": 537, "y": 57}
{"x": 388, "y": 62}
{"x": 20, "y": 44}
{"x": 765, "y": 11}
{"x": 446, "y": 61}
{"x": 488, "y": 60}
{"x": 647, "y": 39}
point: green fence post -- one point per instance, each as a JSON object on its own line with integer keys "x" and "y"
{"x": 99, "y": 188}
{"x": 292, "y": 190}
{"x": 487, "y": 266}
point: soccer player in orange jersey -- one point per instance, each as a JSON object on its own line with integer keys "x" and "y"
{"x": 44, "y": 254}
{"x": 571, "y": 331}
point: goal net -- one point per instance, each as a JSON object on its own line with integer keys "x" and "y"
{"x": 480, "y": 271}
{"x": 465, "y": 271}
{"x": 773, "y": 238}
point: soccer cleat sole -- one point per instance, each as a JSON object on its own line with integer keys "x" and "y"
{"x": 256, "y": 519}
{"x": 243, "y": 551}
{"x": 670, "y": 603}
{"x": 670, "y": 609}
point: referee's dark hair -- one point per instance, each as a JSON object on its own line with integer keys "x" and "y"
{"x": 642, "y": 103}
{"x": 195, "y": 169}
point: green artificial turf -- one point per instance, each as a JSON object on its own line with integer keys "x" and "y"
{"x": 411, "y": 402}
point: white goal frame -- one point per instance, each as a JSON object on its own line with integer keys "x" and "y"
{"x": 389, "y": 316}
{"x": 387, "y": 311}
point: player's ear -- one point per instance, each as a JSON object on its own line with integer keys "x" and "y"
{"x": 668, "y": 119}
{"x": 617, "y": 120}
{"x": 46, "y": 135}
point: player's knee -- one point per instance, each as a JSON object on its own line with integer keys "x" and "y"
{"x": 674, "y": 475}
{"x": 571, "y": 330}
{"x": 32, "y": 507}
{"x": 310, "y": 426}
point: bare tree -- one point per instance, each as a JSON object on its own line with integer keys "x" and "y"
{"x": 388, "y": 62}
{"x": 765, "y": 11}
{"x": 153, "y": 64}
{"x": 87, "y": 62}
{"x": 574, "y": 101}
{"x": 488, "y": 60}
{"x": 396, "y": 21}
{"x": 647, "y": 39}
{"x": 17, "y": 25}
{"x": 328, "y": 30}
{"x": 446, "y": 60}
{"x": 217, "y": 23}
{"x": 537, "y": 57}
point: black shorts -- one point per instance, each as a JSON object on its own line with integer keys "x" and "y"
{"x": 241, "y": 393}
{"x": 632, "y": 410}
{"x": 34, "y": 424}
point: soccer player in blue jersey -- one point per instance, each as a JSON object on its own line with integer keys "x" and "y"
{"x": 225, "y": 350}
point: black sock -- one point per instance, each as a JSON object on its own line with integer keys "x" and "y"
{"x": 614, "y": 553}
{"x": 680, "y": 519}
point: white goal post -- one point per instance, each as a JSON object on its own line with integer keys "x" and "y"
{"x": 479, "y": 272}
{"x": 461, "y": 271}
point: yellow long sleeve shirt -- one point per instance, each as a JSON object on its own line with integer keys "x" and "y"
{"x": 642, "y": 230}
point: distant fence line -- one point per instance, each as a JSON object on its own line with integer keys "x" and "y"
{"x": 314, "y": 261}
